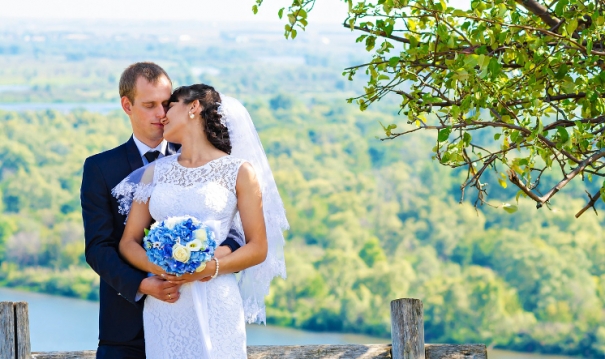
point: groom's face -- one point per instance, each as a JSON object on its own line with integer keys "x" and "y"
{"x": 148, "y": 109}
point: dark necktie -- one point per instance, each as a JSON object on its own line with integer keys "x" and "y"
{"x": 152, "y": 156}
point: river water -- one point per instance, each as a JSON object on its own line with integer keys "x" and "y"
{"x": 59, "y": 323}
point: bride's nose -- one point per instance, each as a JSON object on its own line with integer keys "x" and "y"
{"x": 163, "y": 120}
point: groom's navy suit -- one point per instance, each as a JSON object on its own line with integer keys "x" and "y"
{"x": 120, "y": 315}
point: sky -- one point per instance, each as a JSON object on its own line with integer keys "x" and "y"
{"x": 204, "y": 10}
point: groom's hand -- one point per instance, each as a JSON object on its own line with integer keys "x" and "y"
{"x": 160, "y": 289}
{"x": 222, "y": 251}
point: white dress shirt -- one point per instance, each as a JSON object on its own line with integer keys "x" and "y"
{"x": 143, "y": 149}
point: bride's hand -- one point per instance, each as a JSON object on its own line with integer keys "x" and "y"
{"x": 156, "y": 269}
{"x": 182, "y": 279}
{"x": 204, "y": 275}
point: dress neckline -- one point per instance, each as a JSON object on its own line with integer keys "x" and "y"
{"x": 176, "y": 160}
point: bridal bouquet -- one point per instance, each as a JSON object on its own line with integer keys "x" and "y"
{"x": 180, "y": 245}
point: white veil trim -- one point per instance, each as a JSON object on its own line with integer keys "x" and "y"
{"x": 245, "y": 144}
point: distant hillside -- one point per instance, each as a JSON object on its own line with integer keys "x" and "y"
{"x": 371, "y": 222}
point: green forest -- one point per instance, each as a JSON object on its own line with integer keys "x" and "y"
{"x": 371, "y": 220}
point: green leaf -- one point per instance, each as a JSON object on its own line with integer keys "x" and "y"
{"x": 509, "y": 208}
{"x": 540, "y": 128}
{"x": 280, "y": 13}
{"x": 255, "y": 9}
{"x": 291, "y": 19}
{"x": 443, "y": 5}
{"x": 497, "y": 136}
{"x": 146, "y": 230}
{"x": 519, "y": 194}
{"x": 445, "y": 158}
{"x": 560, "y": 7}
{"x": 502, "y": 183}
{"x": 393, "y": 61}
{"x": 514, "y": 136}
{"x": 370, "y": 42}
{"x": 560, "y": 75}
{"x": 563, "y": 135}
{"x": 467, "y": 138}
{"x": 494, "y": 66}
{"x": 571, "y": 26}
{"x": 443, "y": 135}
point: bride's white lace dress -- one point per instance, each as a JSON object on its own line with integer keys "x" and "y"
{"x": 174, "y": 330}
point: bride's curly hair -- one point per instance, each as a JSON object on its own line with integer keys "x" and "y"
{"x": 210, "y": 100}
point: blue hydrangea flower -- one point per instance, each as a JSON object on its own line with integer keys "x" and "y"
{"x": 176, "y": 245}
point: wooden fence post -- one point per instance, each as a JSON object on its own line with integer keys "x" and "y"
{"x": 407, "y": 329}
{"x": 7, "y": 330}
{"x": 23, "y": 348}
{"x": 14, "y": 331}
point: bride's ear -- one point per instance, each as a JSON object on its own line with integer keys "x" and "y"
{"x": 195, "y": 107}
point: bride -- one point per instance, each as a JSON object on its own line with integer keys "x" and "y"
{"x": 222, "y": 176}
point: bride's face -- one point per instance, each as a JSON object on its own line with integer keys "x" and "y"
{"x": 176, "y": 121}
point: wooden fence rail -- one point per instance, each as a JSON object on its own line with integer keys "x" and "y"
{"x": 407, "y": 333}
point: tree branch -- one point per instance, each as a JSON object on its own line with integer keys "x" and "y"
{"x": 593, "y": 200}
{"x": 540, "y": 11}
{"x": 514, "y": 178}
{"x": 568, "y": 123}
{"x": 379, "y": 33}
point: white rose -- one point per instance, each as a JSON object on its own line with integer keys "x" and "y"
{"x": 171, "y": 222}
{"x": 201, "y": 267}
{"x": 201, "y": 235}
{"x": 196, "y": 245}
{"x": 181, "y": 253}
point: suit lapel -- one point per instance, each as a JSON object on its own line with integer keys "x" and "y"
{"x": 134, "y": 157}
{"x": 172, "y": 148}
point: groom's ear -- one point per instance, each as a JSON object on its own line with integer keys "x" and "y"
{"x": 126, "y": 105}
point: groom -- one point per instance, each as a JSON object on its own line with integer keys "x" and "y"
{"x": 144, "y": 90}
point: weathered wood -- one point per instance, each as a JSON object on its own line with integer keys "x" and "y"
{"x": 23, "y": 348}
{"x": 378, "y": 351}
{"x": 456, "y": 351}
{"x": 372, "y": 351}
{"x": 85, "y": 354}
{"x": 407, "y": 329}
{"x": 7, "y": 330}
{"x": 407, "y": 333}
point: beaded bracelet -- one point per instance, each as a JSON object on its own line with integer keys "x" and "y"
{"x": 216, "y": 271}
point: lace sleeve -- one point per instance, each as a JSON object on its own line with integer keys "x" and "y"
{"x": 137, "y": 186}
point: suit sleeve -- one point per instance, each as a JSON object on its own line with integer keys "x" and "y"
{"x": 101, "y": 244}
{"x": 231, "y": 240}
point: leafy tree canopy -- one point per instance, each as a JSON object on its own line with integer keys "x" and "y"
{"x": 514, "y": 86}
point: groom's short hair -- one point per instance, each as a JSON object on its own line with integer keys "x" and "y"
{"x": 148, "y": 70}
